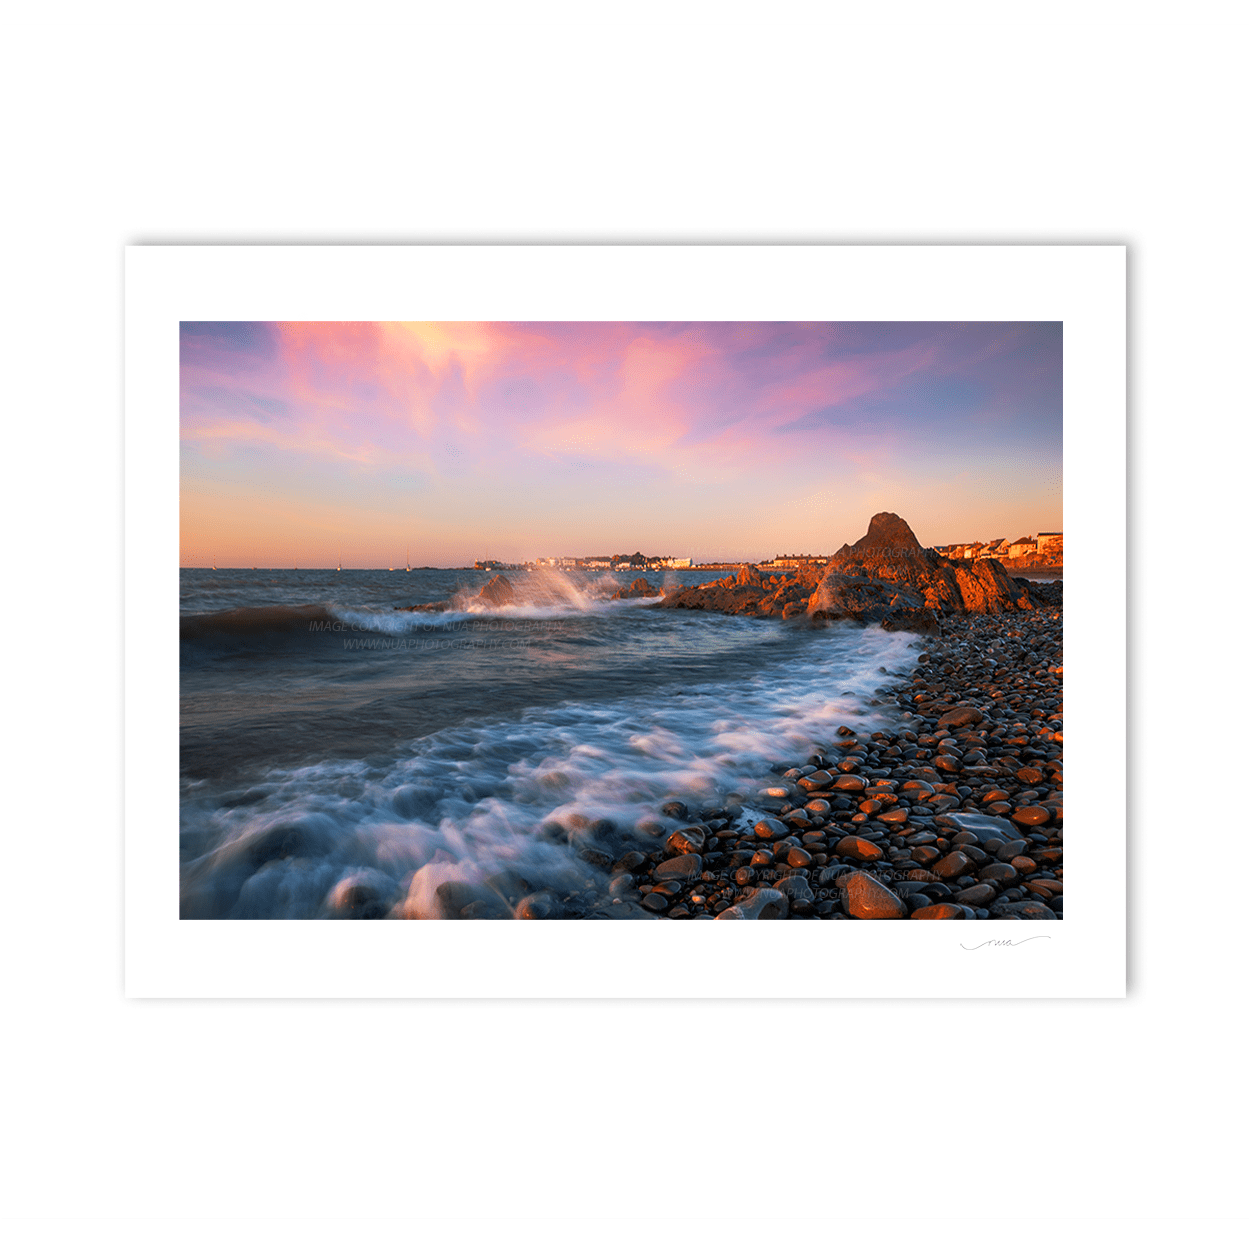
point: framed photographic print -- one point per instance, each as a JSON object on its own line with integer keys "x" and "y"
{"x": 586, "y": 585}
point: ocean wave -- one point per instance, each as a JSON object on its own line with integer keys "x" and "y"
{"x": 340, "y": 618}
{"x": 407, "y": 621}
{"x": 519, "y": 800}
{"x": 273, "y": 618}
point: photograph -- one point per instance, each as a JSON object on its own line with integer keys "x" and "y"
{"x": 621, "y": 620}
{"x": 579, "y": 465}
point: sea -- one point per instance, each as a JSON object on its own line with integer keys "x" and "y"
{"x": 342, "y": 757}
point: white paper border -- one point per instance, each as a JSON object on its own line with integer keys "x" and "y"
{"x": 1082, "y": 956}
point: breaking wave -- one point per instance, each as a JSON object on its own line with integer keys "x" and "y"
{"x": 472, "y": 816}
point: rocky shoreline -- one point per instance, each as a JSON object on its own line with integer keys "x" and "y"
{"x": 951, "y": 810}
{"x": 956, "y": 813}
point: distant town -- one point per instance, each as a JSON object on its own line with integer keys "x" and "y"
{"x": 612, "y": 563}
{"x": 1042, "y": 550}
{"x": 1034, "y": 551}
{"x": 640, "y": 563}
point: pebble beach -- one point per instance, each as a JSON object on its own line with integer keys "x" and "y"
{"x": 955, "y": 814}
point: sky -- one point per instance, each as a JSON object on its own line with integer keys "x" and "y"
{"x": 444, "y": 443}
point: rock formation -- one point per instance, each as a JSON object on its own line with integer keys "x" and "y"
{"x": 639, "y": 588}
{"x": 497, "y": 593}
{"x": 891, "y": 555}
{"x": 886, "y": 577}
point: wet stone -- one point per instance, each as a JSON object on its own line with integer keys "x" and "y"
{"x": 1030, "y": 816}
{"x": 1042, "y": 888}
{"x": 952, "y": 865}
{"x": 452, "y": 897}
{"x": 655, "y": 901}
{"x": 858, "y": 848}
{"x": 866, "y": 898}
{"x": 796, "y": 888}
{"x": 690, "y": 841}
{"x": 976, "y": 895}
{"x": 939, "y": 911}
{"x": 984, "y": 827}
{"x": 486, "y": 909}
{"x": 591, "y": 849}
{"x": 509, "y": 886}
{"x": 1025, "y": 909}
{"x": 682, "y": 867}
{"x": 997, "y": 872}
{"x": 959, "y": 716}
{"x": 760, "y": 904}
{"x": 542, "y": 905}
{"x": 769, "y": 828}
{"x": 816, "y": 780}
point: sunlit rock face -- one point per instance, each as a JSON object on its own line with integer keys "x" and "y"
{"x": 891, "y": 553}
{"x": 885, "y": 578}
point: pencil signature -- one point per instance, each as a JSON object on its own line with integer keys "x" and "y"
{"x": 1005, "y": 942}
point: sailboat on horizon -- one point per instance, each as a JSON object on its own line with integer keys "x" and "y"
{"x": 408, "y": 560}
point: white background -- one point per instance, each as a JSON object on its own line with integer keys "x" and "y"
{"x": 1028, "y": 1123}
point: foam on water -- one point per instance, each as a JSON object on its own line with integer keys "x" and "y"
{"x": 402, "y": 623}
{"x": 206, "y": 592}
{"x": 378, "y": 837}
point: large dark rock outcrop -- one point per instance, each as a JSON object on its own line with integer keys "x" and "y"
{"x": 891, "y": 553}
{"x": 886, "y": 578}
{"x": 639, "y": 588}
